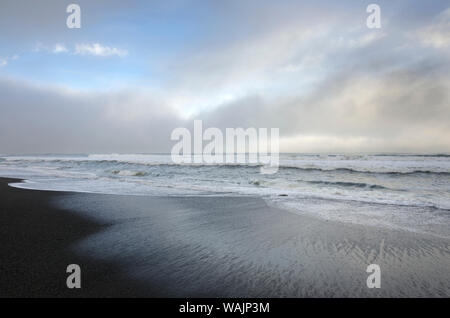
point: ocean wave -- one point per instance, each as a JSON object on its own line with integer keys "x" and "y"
{"x": 121, "y": 163}
{"x": 348, "y": 184}
{"x": 129, "y": 173}
{"x": 255, "y": 182}
{"x": 351, "y": 170}
{"x": 431, "y": 206}
{"x": 438, "y": 155}
{"x": 132, "y": 162}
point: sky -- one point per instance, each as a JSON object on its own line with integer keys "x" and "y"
{"x": 136, "y": 70}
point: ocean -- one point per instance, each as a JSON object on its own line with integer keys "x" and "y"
{"x": 402, "y": 191}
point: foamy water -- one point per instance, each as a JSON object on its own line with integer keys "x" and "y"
{"x": 410, "y": 192}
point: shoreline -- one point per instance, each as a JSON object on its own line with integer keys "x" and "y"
{"x": 130, "y": 246}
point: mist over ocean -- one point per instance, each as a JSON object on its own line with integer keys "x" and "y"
{"x": 400, "y": 191}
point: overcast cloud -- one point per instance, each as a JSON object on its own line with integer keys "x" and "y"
{"x": 133, "y": 73}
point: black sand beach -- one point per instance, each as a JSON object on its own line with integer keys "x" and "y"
{"x": 203, "y": 247}
{"x": 34, "y": 251}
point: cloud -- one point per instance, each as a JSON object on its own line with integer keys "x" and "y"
{"x": 437, "y": 34}
{"x": 94, "y": 49}
{"x": 403, "y": 110}
{"x": 294, "y": 53}
{"x": 97, "y": 49}
{"x": 53, "y": 119}
{"x": 5, "y": 60}
{"x": 60, "y": 48}
{"x": 55, "y": 49}
{"x": 313, "y": 69}
{"x": 365, "y": 39}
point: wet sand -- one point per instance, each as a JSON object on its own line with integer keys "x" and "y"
{"x": 35, "y": 249}
{"x": 203, "y": 247}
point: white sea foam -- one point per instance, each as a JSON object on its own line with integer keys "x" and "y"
{"x": 398, "y": 182}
